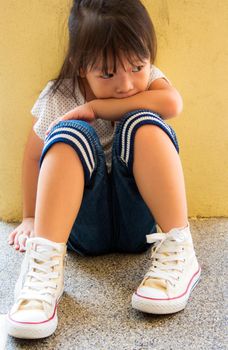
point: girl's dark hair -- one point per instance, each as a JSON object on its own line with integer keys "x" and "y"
{"x": 98, "y": 28}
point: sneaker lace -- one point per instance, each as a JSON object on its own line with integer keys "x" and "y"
{"x": 39, "y": 284}
{"x": 166, "y": 255}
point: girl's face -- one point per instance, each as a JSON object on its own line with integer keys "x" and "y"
{"x": 127, "y": 81}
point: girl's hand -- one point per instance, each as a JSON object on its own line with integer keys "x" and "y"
{"x": 83, "y": 112}
{"x": 19, "y": 236}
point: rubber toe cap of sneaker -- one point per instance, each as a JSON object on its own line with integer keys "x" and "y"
{"x": 152, "y": 293}
{"x": 28, "y": 316}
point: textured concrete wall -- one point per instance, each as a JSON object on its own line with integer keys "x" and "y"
{"x": 192, "y": 51}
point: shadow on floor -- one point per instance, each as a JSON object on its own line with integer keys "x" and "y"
{"x": 95, "y": 311}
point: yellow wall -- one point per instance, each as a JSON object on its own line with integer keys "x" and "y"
{"x": 192, "y": 51}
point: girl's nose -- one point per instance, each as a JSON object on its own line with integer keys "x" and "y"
{"x": 125, "y": 86}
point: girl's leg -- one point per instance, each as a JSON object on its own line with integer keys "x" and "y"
{"x": 41, "y": 281}
{"x": 59, "y": 193}
{"x": 175, "y": 271}
{"x": 68, "y": 160}
{"x": 148, "y": 150}
{"x": 158, "y": 173}
{"x": 73, "y": 194}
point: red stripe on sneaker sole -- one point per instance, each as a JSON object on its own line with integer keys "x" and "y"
{"x": 51, "y": 318}
{"x": 141, "y": 296}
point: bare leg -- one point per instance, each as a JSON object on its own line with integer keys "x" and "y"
{"x": 158, "y": 174}
{"x": 59, "y": 193}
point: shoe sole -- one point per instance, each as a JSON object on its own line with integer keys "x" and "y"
{"x": 166, "y": 306}
{"x": 26, "y": 330}
{"x": 33, "y": 330}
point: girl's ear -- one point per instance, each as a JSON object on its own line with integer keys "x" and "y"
{"x": 82, "y": 73}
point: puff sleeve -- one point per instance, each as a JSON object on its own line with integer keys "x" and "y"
{"x": 156, "y": 73}
{"x": 48, "y": 107}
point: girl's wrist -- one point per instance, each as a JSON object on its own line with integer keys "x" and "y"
{"x": 92, "y": 105}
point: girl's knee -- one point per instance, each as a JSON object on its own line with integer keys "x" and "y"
{"x": 77, "y": 136}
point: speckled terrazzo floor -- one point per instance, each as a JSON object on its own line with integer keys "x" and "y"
{"x": 96, "y": 313}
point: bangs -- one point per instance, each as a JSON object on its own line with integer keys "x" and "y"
{"x": 107, "y": 62}
{"x": 108, "y": 41}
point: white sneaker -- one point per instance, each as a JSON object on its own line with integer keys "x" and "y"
{"x": 174, "y": 273}
{"x": 38, "y": 290}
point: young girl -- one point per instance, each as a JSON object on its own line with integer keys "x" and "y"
{"x": 101, "y": 169}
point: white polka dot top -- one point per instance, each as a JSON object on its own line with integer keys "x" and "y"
{"x": 50, "y": 107}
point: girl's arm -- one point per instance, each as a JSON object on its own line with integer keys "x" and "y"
{"x": 161, "y": 98}
{"x": 30, "y": 172}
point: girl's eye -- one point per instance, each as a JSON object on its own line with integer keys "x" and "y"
{"x": 107, "y": 75}
{"x": 137, "y": 69}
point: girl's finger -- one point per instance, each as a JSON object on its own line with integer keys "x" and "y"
{"x": 22, "y": 240}
{"x": 28, "y": 233}
{"x": 53, "y": 124}
{"x": 16, "y": 239}
{"x": 47, "y": 132}
{"x": 11, "y": 237}
{"x": 49, "y": 129}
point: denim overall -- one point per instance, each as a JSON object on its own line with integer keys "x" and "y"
{"x": 113, "y": 217}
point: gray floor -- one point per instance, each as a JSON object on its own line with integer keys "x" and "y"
{"x": 96, "y": 312}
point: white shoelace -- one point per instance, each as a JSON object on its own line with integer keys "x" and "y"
{"x": 166, "y": 249}
{"x": 38, "y": 284}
